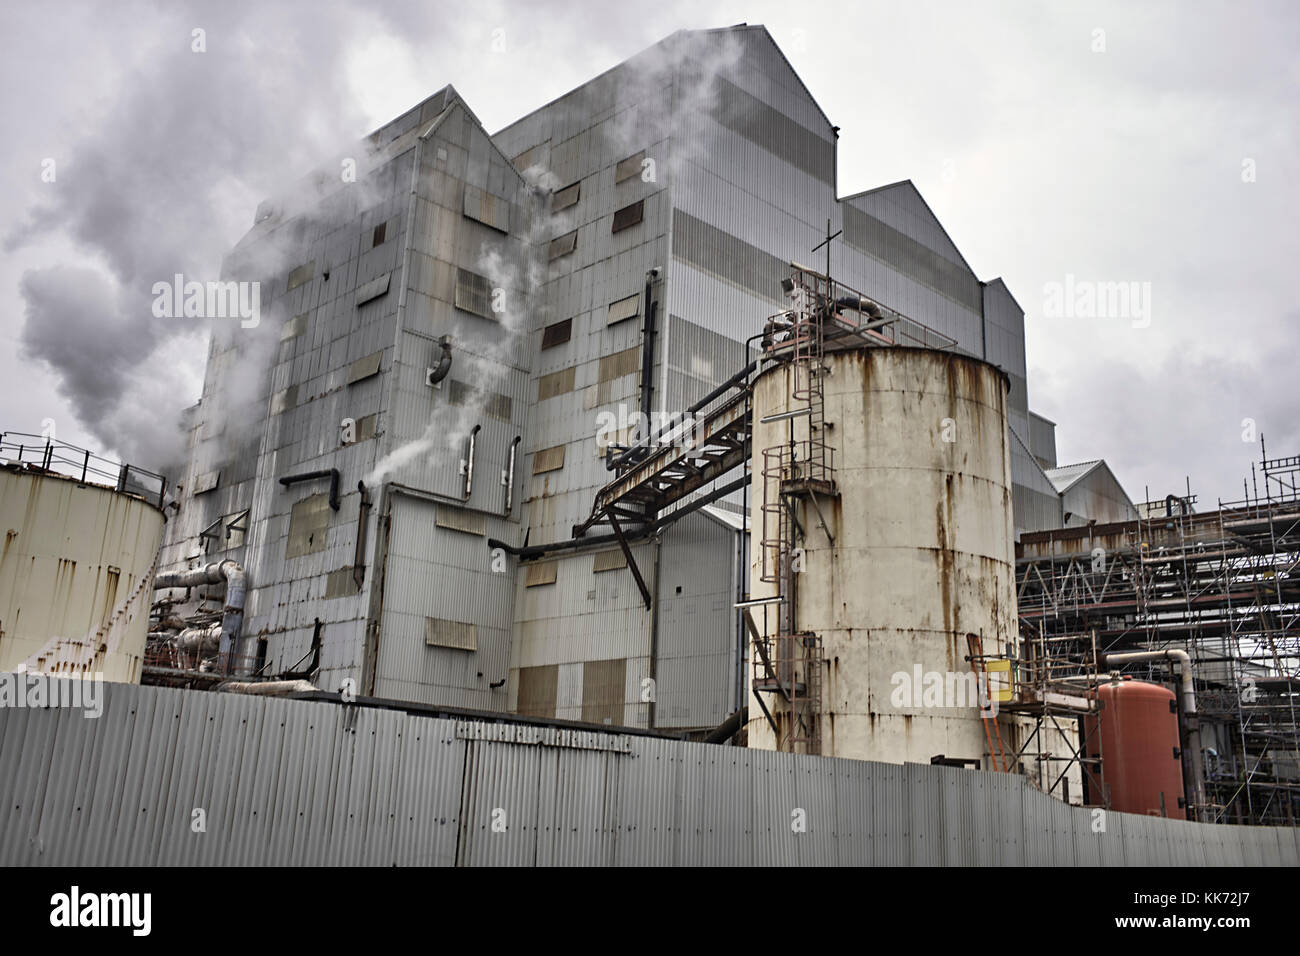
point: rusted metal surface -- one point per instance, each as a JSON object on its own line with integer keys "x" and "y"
{"x": 914, "y": 553}
{"x": 75, "y": 576}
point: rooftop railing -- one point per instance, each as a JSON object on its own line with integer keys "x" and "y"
{"x": 44, "y": 455}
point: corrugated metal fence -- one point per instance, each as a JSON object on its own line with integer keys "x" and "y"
{"x": 304, "y": 782}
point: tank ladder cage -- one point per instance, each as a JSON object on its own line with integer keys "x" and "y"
{"x": 801, "y": 465}
{"x": 791, "y": 666}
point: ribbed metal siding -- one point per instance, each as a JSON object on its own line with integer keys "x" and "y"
{"x": 298, "y": 782}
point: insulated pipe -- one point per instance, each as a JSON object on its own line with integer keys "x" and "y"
{"x": 197, "y": 640}
{"x": 269, "y": 688}
{"x": 859, "y": 304}
{"x": 1184, "y": 662}
{"x": 232, "y": 617}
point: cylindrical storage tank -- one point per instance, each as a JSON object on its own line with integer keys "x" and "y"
{"x": 1135, "y": 733}
{"x": 920, "y": 552}
{"x": 76, "y": 576}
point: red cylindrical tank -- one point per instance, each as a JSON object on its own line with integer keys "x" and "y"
{"x": 1136, "y": 735}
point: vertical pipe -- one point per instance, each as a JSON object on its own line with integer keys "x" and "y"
{"x": 359, "y": 555}
{"x": 510, "y": 472}
{"x": 654, "y": 641}
{"x": 469, "y": 461}
{"x": 648, "y": 351}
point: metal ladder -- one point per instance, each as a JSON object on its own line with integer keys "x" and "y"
{"x": 791, "y": 662}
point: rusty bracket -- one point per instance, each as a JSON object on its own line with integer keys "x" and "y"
{"x": 820, "y": 517}
{"x": 631, "y": 561}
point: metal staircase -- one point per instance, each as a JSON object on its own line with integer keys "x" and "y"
{"x": 791, "y": 662}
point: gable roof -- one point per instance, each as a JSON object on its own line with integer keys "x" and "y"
{"x": 905, "y": 194}
{"x": 756, "y": 31}
{"x": 1067, "y": 476}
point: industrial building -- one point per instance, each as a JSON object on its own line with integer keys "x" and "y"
{"x": 621, "y": 424}
{"x": 600, "y": 262}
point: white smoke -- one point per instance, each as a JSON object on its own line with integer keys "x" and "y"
{"x": 166, "y": 172}
{"x": 682, "y": 71}
{"x": 516, "y": 282}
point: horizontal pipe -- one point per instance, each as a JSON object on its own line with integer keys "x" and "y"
{"x": 269, "y": 688}
{"x": 331, "y": 473}
{"x": 538, "y": 551}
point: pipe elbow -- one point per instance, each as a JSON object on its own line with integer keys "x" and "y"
{"x": 439, "y": 371}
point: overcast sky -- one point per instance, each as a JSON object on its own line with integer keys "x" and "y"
{"x": 1153, "y": 143}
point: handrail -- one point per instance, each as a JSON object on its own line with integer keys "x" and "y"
{"x": 43, "y": 454}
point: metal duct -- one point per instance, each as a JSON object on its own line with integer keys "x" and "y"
{"x": 232, "y": 616}
{"x": 439, "y": 372}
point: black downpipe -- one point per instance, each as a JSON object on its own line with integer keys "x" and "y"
{"x": 359, "y": 555}
{"x": 632, "y": 534}
{"x": 648, "y": 351}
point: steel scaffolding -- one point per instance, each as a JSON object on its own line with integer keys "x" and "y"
{"x": 1222, "y": 585}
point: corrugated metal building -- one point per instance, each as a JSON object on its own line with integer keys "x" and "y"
{"x": 703, "y": 157}
{"x": 428, "y": 237}
{"x": 171, "y": 777}
{"x": 1090, "y": 493}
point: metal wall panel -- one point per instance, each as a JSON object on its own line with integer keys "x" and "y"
{"x": 316, "y": 783}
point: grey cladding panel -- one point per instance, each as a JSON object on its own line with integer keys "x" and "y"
{"x": 308, "y": 523}
{"x": 774, "y": 131}
{"x": 719, "y": 253}
{"x": 868, "y": 234}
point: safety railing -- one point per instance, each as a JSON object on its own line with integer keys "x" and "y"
{"x": 42, "y": 454}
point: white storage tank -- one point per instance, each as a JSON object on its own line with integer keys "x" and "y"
{"x": 922, "y": 553}
{"x": 77, "y": 561}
